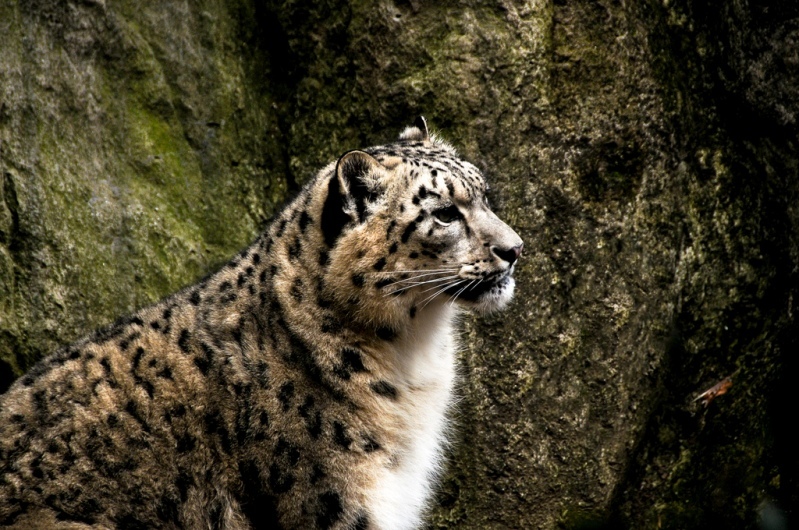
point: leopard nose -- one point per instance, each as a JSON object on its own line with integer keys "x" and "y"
{"x": 510, "y": 254}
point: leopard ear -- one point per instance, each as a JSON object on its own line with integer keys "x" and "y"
{"x": 347, "y": 192}
{"x": 358, "y": 175}
{"x": 417, "y": 132}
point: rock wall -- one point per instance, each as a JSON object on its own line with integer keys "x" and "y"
{"x": 645, "y": 151}
{"x": 139, "y": 147}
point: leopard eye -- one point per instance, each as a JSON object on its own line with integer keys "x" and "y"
{"x": 447, "y": 215}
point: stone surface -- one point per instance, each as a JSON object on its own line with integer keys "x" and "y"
{"x": 645, "y": 151}
{"x": 139, "y": 148}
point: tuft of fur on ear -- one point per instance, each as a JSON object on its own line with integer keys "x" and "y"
{"x": 417, "y": 132}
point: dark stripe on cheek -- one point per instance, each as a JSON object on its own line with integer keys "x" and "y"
{"x": 408, "y": 231}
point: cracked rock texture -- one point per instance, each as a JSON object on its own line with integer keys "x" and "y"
{"x": 645, "y": 151}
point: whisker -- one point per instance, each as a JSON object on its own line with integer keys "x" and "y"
{"x": 452, "y": 298}
{"x": 423, "y": 271}
{"x": 416, "y": 284}
{"x": 414, "y": 278}
{"x": 430, "y": 298}
{"x": 436, "y": 286}
{"x": 469, "y": 285}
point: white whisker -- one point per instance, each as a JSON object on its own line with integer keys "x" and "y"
{"x": 452, "y": 298}
{"x": 416, "y": 284}
{"x": 430, "y": 298}
{"x": 413, "y": 272}
{"x": 436, "y": 286}
{"x": 456, "y": 295}
{"x": 414, "y": 278}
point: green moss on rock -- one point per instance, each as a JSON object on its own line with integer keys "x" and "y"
{"x": 139, "y": 152}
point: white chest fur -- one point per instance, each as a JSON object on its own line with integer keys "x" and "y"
{"x": 425, "y": 379}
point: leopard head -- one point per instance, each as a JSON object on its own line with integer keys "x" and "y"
{"x": 414, "y": 220}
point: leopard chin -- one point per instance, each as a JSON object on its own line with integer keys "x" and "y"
{"x": 489, "y": 297}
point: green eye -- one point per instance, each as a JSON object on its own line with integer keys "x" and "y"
{"x": 448, "y": 214}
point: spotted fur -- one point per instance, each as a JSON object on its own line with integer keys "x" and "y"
{"x": 305, "y": 385}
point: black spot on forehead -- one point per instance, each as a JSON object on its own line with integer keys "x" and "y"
{"x": 450, "y": 165}
{"x": 450, "y": 187}
{"x": 461, "y": 187}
